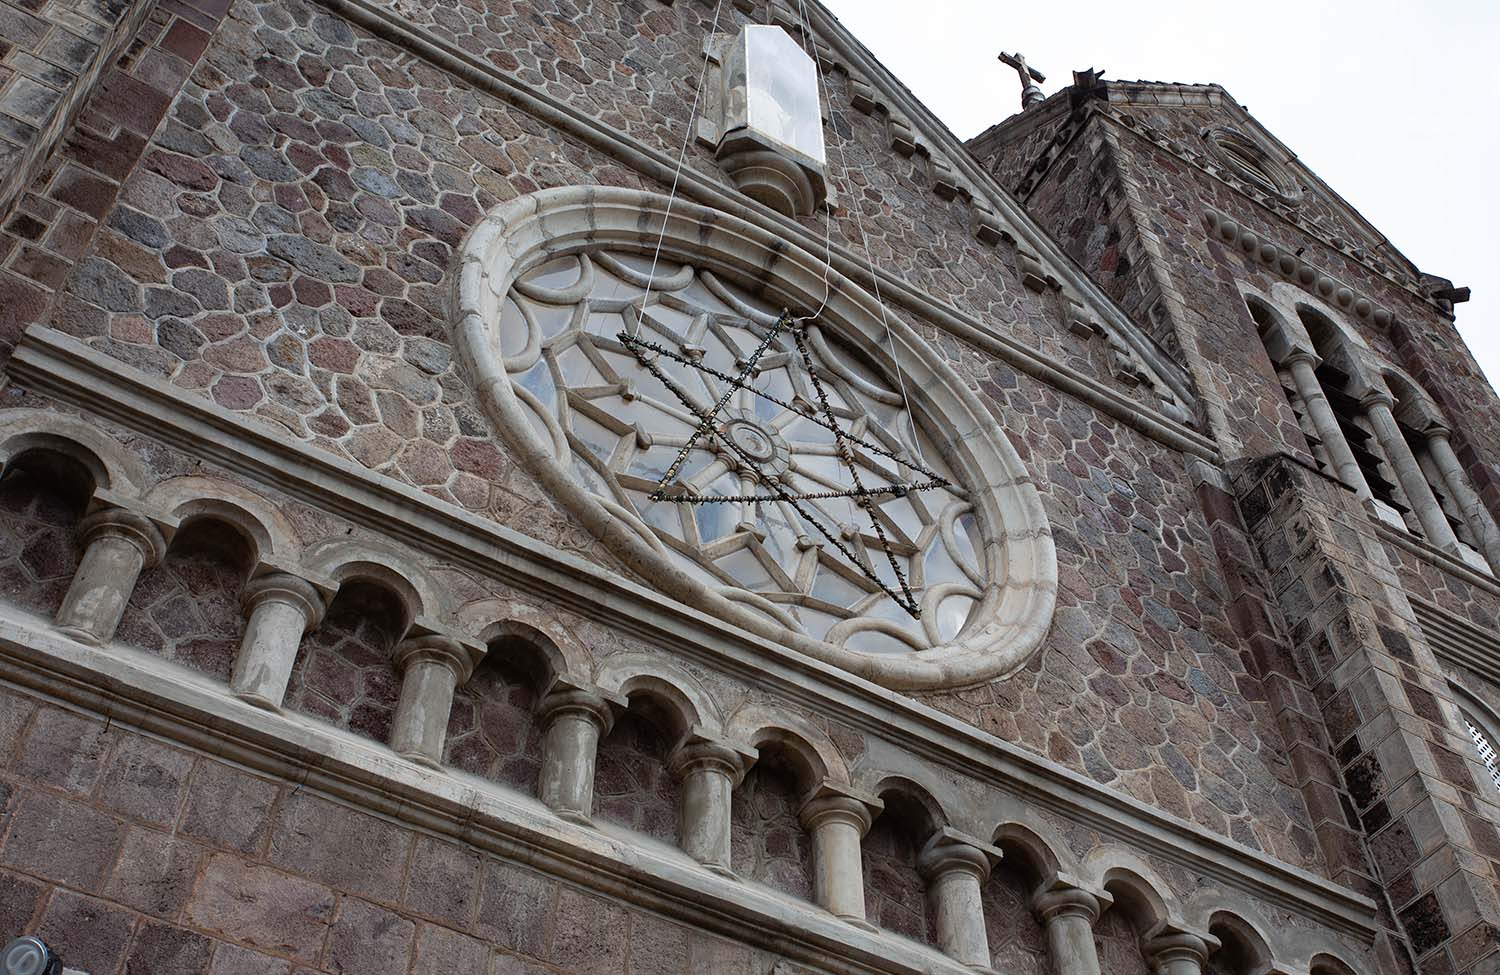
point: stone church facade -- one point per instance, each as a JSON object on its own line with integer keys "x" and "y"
{"x": 360, "y": 363}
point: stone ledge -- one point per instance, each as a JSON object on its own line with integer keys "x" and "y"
{"x": 137, "y": 689}
{"x": 183, "y": 708}
{"x": 1436, "y": 557}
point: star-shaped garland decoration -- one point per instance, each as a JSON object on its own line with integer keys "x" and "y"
{"x": 710, "y": 426}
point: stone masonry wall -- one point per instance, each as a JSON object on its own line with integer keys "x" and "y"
{"x": 61, "y": 208}
{"x": 51, "y": 53}
{"x": 133, "y": 856}
{"x": 282, "y": 250}
{"x": 1416, "y": 787}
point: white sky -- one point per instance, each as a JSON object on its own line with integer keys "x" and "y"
{"x": 1390, "y": 102}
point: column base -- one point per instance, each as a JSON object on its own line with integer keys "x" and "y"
{"x": 575, "y": 817}
{"x": 858, "y": 922}
{"x": 724, "y": 872}
{"x": 258, "y": 701}
{"x": 79, "y": 634}
{"x": 423, "y": 760}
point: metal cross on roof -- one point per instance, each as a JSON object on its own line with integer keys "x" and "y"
{"x": 1030, "y": 78}
{"x": 737, "y": 436}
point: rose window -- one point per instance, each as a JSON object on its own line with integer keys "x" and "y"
{"x": 773, "y": 514}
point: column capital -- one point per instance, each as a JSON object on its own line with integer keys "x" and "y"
{"x": 1375, "y": 396}
{"x": 593, "y": 704}
{"x": 700, "y": 750}
{"x": 833, "y": 803}
{"x": 284, "y": 587}
{"x": 1062, "y": 899}
{"x": 459, "y": 656}
{"x": 1173, "y": 944}
{"x": 129, "y": 526}
{"x": 948, "y": 850}
{"x": 1297, "y": 354}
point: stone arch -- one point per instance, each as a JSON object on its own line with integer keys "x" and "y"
{"x": 758, "y": 725}
{"x": 1339, "y": 345}
{"x": 341, "y": 560}
{"x": 884, "y": 784}
{"x": 1328, "y": 963}
{"x": 1035, "y": 849}
{"x": 187, "y": 607}
{"x": 895, "y": 890}
{"x": 493, "y": 730}
{"x": 48, "y": 479}
{"x": 1016, "y": 608}
{"x": 1280, "y": 330}
{"x": 1035, "y": 860}
{"x": 1243, "y": 947}
{"x": 1293, "y": 302}
{"x": 1137, "y": 890}
{"x": 270, "y": 535}
{"x": 673, "y": 696}
{"x": 1476, "y": 711}
{"x": 558, "y": 652}
{"x": 112, "y": 467}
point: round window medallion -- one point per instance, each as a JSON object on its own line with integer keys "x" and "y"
{"x": 785, "y": 481}
{"x": 1247, "y": 159}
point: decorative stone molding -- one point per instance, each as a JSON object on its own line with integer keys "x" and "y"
{"x": 987, "y": 226}
{"x": 1033, "y": 275}
{"x": 281, "y": 609}
{"x": 118, "y": 544}
{"x": 1250, "y": 159}
{"x": 1294, "y": 268}
{"x": 514, "y": 235}
{"x": 944, "y": 183}
{"x": 863, "y": 97}
{"x": 901, "y": 137}
{"x": 432, "y": 666}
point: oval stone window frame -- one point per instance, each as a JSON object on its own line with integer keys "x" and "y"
{"x": 1249, "y": 160}
{"x": 521, "y": 235}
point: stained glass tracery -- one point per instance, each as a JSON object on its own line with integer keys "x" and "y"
{"x": 620, "y": 429}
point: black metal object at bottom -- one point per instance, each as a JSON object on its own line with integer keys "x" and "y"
{"x": 29, "y": 956}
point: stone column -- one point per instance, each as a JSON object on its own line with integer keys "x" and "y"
{"x": 709, "y": 771}
{"x": 1177, "y": 953}
{"x": 282, "y": 608}
{"x": 118, "y": 545}
{"x": 838, "y": 820}
{"x": 1068, "y": 914}
{"x": 1302, "y": 364}
{"x": 1486, "y": 534}
{"x": 954, "y": 867}
{"x": 573, "y": 718}
{"x": 1377, "y": 405}
{"x": 432, "y": 667}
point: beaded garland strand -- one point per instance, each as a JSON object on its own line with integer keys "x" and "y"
{"x": 709, "y": 427}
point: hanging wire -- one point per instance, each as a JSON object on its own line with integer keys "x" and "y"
{"x": 859, "y": 221}
{"x": 859, "y": 495}
{"x": 687, "y": 138}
